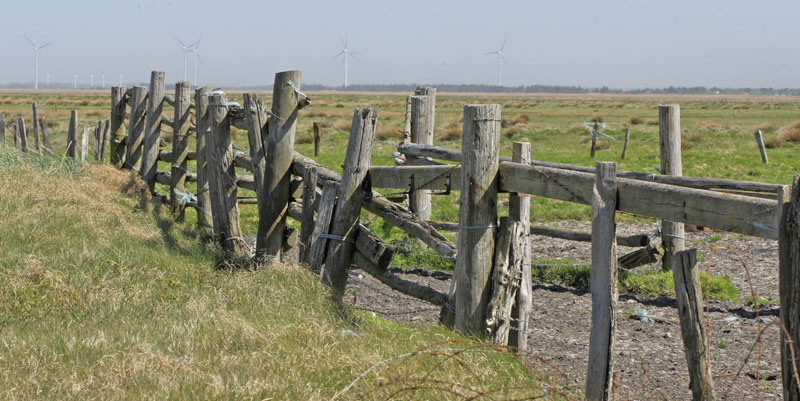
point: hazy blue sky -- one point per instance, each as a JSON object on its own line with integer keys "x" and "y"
{"x": 619, "y": 43}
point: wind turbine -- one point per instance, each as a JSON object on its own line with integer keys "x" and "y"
{"x": 345, "y": 53}
{"x": 36, "y": 60}
{"x": 186, "y": 51}
{"x": 196, "y": 55}
{"x": 500, "y": 60}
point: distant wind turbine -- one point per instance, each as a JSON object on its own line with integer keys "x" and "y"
{"x": 36, "y": 60}
{"x": 186, "y": 51}
{"x": 196, "y": 55}
{"x": 345, "y": 53}
{"x": 500, "y": 60}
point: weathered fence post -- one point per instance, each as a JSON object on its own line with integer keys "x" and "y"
{"x": 477, "y": 220}
{"x": 17, "y": 140}
{"x": 180, "y": 143}
{"x": 789, "y": 288}
{"x": 117, "y": 141}
{"x": 85, "y": 146}
{"x": 307, "y": 218}
{"x": 35, "y": 127}
{"x": 689, "y": 297}
{"x": 316, "y": 252}
{"x": 22, "y": 134}
{"x": 760, "y": 143}
{"x": 273, "y": 191}
{"x": 152, "y": 129}
{"x": 422, "y": 133}
{"x": 407, "y": 125}
{"x": 520, "y": 213}
{"x": 669, "y": 134}
{"x": 104, "y": 141}
{"x": 222, "y": 179}
{"x": 317, "y": 137}
{"x": 2, "y": 127}
{"x": 351, "y": 194}
{"x": 625, "y": 147}
{"x": 98, "y": 131}
{"x": 507, "y": 272}
{"x": 202, "y": 152}
{"x": 72, "y": 134}
{"x": 133, "y": 154}
{"x": 48, "y": 147}
{"x": 257, "y": 132}
{"x": 594, "y": 138}
{"x": 603, "y": 283}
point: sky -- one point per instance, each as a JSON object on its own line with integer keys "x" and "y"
{"x": 615, "y": 43}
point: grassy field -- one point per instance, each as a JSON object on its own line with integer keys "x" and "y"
{"x": 717, "y": 139}
{"x": 717, "y": 132}
{"x": 102, "y": 297}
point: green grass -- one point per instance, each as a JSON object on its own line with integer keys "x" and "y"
{"x": 645, "y": 283}
{"x": 103, "y": 297}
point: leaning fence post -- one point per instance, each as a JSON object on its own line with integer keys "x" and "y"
{"x": 117, "y": 142}
{"x": 152, "y": 129}
{"x": 422, "y": 133}
{"x": 689, "y": 297}
{"x": 594, "y": 138}
{"x": 22, "y": 134}
{"x": 222, "y": 179}
{"x": 789, "y": 288}
{"x": 133, "y": 153}
{"x": 477, "y": 219}
{"x": 520, "y": 213}
{"x": 180, "y": 142}
{"x": 35, "y": 127}
{"x": 316, "y": 251}
{"x": 279, "y": 152}
{"x": 98, "y": 132}
{"x": 351, "y": 194}
{"x": 72, "y": 134}
{"x": 48, "y": 147}
{"x": 307, "y": 218}
{"x": 603, "y": 283}
{"x": 760, "y": 143}
{"x": 317, "y": 137}
{"x": 625, "y": 147}
{"x": 104, "y": 141}
{"x": 669, "y": 133}
{"x": 202, "y": 152}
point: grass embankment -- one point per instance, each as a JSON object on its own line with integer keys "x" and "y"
{"x": 103, "y": 298}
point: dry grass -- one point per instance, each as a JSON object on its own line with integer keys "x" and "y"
{"x": 597, "y": 118}
{"x": 773, "y": 143}
{"x": 790, "y": 133}
{"x": 636, "y": 120}
{"x": 767, "y": 127}
{"x": 105, "y": 298}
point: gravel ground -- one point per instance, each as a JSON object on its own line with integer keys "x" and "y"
{"x": 649, "y": 359}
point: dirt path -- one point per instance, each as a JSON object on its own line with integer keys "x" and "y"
{"x": 649, "y": 358}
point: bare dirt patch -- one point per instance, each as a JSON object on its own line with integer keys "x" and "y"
{"x": 649, "y": 356}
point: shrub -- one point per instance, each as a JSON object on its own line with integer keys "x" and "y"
{"x": 773, "y": 143}
{"x": 767, "y": 127}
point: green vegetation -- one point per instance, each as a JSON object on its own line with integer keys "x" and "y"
{"x": 645, "y": 283}
{"x": 103, "y": 297}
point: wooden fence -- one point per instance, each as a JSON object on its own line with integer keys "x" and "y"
{"x": 492, "y": 281}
